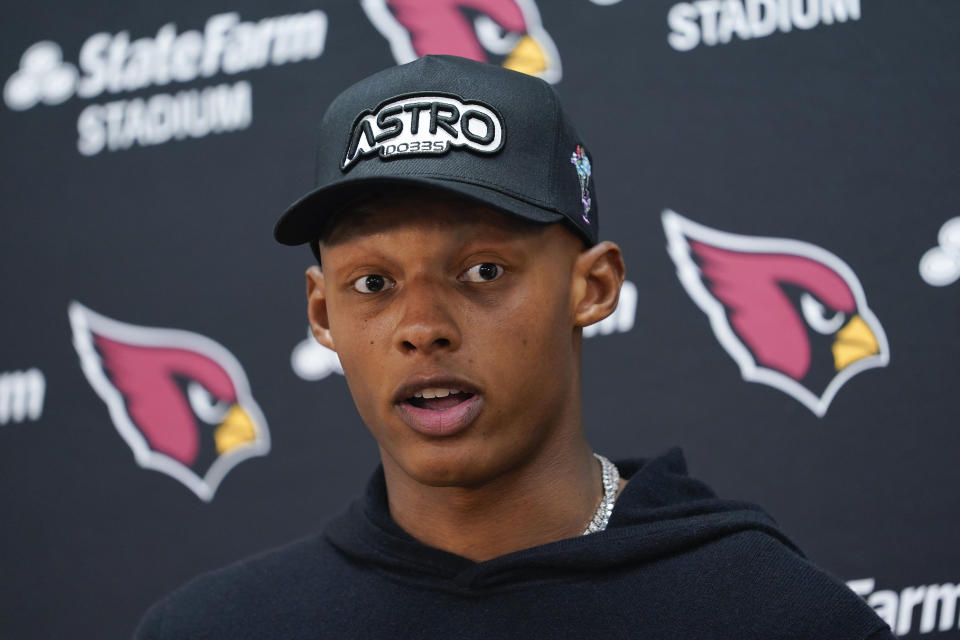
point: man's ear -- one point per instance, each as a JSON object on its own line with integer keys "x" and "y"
{"x": 317, "y": 307}
{"x": 597, "y": 275}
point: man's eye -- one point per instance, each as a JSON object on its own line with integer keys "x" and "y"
{"x": 483, "y": 272}
{"x": 373, "y": 283}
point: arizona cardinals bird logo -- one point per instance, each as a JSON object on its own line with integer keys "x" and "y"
{"x": 180, "y": 400}
{"x": 792, "y": 315}
{"x": 505, "y": 32}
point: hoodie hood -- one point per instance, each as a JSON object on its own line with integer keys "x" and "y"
{"x": 661, "y": 512}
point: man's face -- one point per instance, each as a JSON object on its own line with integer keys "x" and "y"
{"x": 432, "y": 295}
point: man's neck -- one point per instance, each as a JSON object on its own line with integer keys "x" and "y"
{"x": 549, "y": 498}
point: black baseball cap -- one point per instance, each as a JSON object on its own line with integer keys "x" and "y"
{"x": 490, "y": 134}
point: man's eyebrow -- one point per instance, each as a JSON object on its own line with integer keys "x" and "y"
{"x": 370, "y": 257}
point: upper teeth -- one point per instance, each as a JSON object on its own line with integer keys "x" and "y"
{"x": 435, "y": 392}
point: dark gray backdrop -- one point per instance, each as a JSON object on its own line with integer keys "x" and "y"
{"x": 841, "y": 135}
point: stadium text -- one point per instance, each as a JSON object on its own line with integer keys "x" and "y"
{"x": 193, "y": 113}
{"x": 713, "y": 22}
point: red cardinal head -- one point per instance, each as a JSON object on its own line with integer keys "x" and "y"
{"x": 180, "y": 400}
{"x": 506, "y": 32}
{"x": 791, "y": 314}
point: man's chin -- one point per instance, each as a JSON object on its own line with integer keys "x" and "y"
{"x": 460, "y": 462}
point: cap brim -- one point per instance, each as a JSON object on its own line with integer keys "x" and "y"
{"x": 303, "y": 220}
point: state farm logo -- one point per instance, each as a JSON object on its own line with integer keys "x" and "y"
{"x": 112, "y": 63}
{"x": 716, "y": 22}
{"x": 43, "y": 77}
{"x": 396, "y": 129}
{"x": 940, "y": 266}
{"x": 913, "y": 609}
{"x": 21, "y": 395}
{"x": 623, "y": 317}
{"x": 310, "y": 360}
{"x": 180, "y": 400}
{"x": 504, "y": 32}
{"x": 791, "y": 314}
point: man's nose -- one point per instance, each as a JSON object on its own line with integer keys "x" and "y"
{"x": 427, "y": 323}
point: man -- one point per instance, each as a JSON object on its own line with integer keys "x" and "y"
{"x": 455, "y": 225}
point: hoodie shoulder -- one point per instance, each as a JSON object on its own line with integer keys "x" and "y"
{"x": 788, "y": 595}
{"x": 730, "y": 557}
{"x": 242, "y": 599}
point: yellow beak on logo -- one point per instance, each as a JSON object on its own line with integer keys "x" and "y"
{"x": 236, "y": 430}
{"x": 527, "y": 57}
{"x": 854, "y": 341}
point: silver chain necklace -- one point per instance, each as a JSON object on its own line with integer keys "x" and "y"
{"x": 611, "y": 482}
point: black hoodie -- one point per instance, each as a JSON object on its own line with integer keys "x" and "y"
{"x": 674, "y": 562}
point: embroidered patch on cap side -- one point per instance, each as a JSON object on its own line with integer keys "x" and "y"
{"x": 580, "y": 160}
{"x": 424, "y": 124}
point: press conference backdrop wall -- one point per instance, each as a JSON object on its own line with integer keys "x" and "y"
{"x": 781, "y": 175}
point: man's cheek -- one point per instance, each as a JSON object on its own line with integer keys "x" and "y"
{"x": 352, "y": 366}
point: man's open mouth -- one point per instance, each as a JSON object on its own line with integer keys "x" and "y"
{"x": 438, "y": 398}
{"x": 438, "y": 406}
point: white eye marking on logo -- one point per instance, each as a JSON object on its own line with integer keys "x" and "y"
{"x": 204, "y": 405}
{"x": 816, "y": 316}
{"x": 493, "y": 37}
{"x": 940, "y": 266}
{"x": 424, "y": 125}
